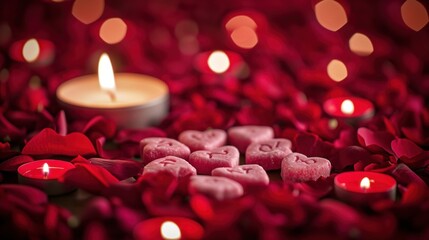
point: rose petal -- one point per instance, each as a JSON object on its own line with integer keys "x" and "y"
{"x": 375, "y": 141}
{"x": 12, "y": 164}
{"x": 135, "y": 135}
{"x": 91, "y": 178}
{"x": 31, "y": 196}
{"x": 61, "y": 123}
{"x": 121, "y": 169}
{"x": 100, "y": 125}
{"x": 48, "y": 142}
{"x": 405, "y": 148}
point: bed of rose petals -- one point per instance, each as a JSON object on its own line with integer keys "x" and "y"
{"x": 283, "y": 85}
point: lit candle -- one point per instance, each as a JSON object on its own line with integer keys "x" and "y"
{"x": 364, "y": 187}
{"x": 36, "y": 51}
{"x": 44, "y": 174}
{"x": 131, "y": 100}
{"x": 351, "y": 109}
{"x": 168, "y": 228}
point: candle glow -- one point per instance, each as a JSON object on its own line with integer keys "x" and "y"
{"x": 170, "y": 230}
{"x": 365, "y": 183}
{"x": 347, "y": 107}
{"x": 106, "y": 77}
{"x": 45, "y": 170}
{"x": 31, "y": 50}
{"x": 218, "y": 62}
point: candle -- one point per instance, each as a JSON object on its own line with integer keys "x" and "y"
{"x": 168, "y": 228}
{"x": 131, "y": 100}
{"x": 364, "y": 187}
{"x": 44, "y": 174}
{"x": 38, "y": 51}
{"x": 351, "y": 109}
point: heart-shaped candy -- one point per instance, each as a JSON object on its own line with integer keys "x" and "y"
{"x": 297, "y": 167}
{"x": 249, "y": 175}
{"x": 219, "y": 188}
{"x": 178, "y": 167}
{"x": 207, "y": 160}
{"x": 158, "y": 147}
{"x": 269, "y": 153}
{"x": 207, "y": 140}
{"x": 242, "y": 136}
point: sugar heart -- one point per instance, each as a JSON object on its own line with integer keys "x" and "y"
{"x": 219, "y": 188}
{"x": 297, "y": 167}
{"x": 49, "y": 142}
{"x": 178, "y": 167}
{"x": 269, "y": 153}
{"x": 159, "y": 147}
{"x": 242, "y": 136}
{"x": 207, "y": 140}
{"x": 207, "y": 160}
{"x": 249, "y": 176}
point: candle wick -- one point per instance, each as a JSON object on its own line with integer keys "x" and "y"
{"x": 112, "y": 95}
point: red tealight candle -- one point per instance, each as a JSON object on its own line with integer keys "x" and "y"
{"x": 364, "y": 187}
{"x": 168, "y": 228}
{"x": 349, "y": 108}
{"x": 37, "y": 51}
{"x": 44, "y": 174}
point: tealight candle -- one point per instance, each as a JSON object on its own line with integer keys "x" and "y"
{"x": 349, "y": 108}
{"x": 168, "y": 228}
{"x": 44, "y": 174}
{"x": 131, "y": 100}
{"x": 364, "y": 187}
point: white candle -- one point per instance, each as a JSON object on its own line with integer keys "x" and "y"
{"x": 131, "y": 100}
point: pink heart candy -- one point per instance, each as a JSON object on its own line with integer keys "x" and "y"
{"x": 249, "y": 176}
{"x": 297, "y": 167}
{"x": 158, "y": 147}
{"x": 219, "y": 188}
{"x": 207, "y": 160}
{"x": 207, "y": 140}
{"x": 178, "y": 167}
{"x": 269, "y": 153}
{"x": 243, "y": 136}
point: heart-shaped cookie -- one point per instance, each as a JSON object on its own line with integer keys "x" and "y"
{"x": 249, "y": 175}
{"x": 155, "y": 147}
{"x": 207, "y": 160}
{"x": 219, "y": 188}
{"x": 207, "y": 140}
{"x": 269, "y": 153}
{"x": 242, "y": 136}
{"x": 297, "y": 167}
{"x": 178, "y": 167}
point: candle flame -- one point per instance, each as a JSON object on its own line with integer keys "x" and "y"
{"x": 218, "y": 62}
{"x": 31, "y": 50}
{"x": 365, "y": 183}
{"x": 106, "y": 77}
{"x": 45, "y": 170}
{"x": 347, "y": 107}
{"x": 170, "y": 230}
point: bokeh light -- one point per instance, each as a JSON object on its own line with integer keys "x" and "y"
{"x": 337, "y": 70}
{"x": 31, "y": 50}
{"x": 88, "y": 11}
{"x": 113, "y": 30}
{"x": 244, "y": 37}
{"x": 240, "y": 21}
{"x": 330, "y": 14}
{"x": 361, "y": 45}
{"x": 218, "y": 61}
{"x": 414, "y": 14}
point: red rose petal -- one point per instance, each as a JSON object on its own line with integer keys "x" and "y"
{"x": 48, "y": 142}
{"x": 121, "y": 169}
{"x": 101, "y": 125}
{"x": 61, "y": 123}
{"x": 31, "y": 196}
{"x": 415, "y": 194}
{"x": 93, "y": 179}
{"x": 405, "y": 148}
{"x": 375, "y": 141}
{"x": 13, "y": 163}
{"x": 135, "y": 135}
